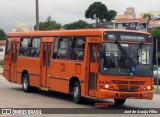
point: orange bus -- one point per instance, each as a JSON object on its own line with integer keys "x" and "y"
{"x": 93, "y": 63}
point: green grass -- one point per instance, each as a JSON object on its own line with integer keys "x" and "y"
{"x": 1, "y": 66}
{"x": 155, "y": 88}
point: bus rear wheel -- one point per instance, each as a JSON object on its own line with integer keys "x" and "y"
{"x": 77, "y": 93}
{"x": 25, "y": 83}
{"x": 119, "y": 101}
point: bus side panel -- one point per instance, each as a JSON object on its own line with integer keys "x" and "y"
{"x": 58, "y": 79}
{"x": 6, "y": 67}
{"x": 59, "y": 85}
{"x": 19, "y": 75}
{"x": 34, "y": 80}
{"x": 6, "y": 75}
{"x": 83, "y": 88}
{"x": 32, "y": 66}
{"x": 62, "y": 71}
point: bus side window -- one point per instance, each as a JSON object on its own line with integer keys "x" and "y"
{"x": 35, "y": 48}
{"x": 24, "y": 46}
{"x": 78, "y": 49}
{"x": 93, "y": 54}
{"x": 30, "y": 47}
{"x": 55, "y": 48}
{"x": 13, "y": 53}
{"x": 8, "y": 41}
{"x": 64, "y": 48}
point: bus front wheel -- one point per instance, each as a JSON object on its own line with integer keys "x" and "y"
{"x": 25, "y": 83}
{"x": 119, "y": 101}
{"x": 77, "y": 93}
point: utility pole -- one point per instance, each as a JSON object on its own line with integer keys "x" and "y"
{"x": 37, "y": 15}
{"x": 157, "y": 61}
{"x": 97, "y": 23}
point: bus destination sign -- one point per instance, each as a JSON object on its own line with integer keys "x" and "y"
{"x": 127, "y": 36}
{"x": 132, "y": 38}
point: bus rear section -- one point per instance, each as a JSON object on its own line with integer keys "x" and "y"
{"x": 101, "y": 64}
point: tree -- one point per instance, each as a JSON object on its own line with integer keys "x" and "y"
{"x": 99, "y": 11}
{"x": 2, "y": 34}
{"x": 111, "y": 15}
{"x": 77, "y": 25}
{"x": 49, "y": 24}
{"x": 148, "y": 15}
{"x": 155, "y": 32}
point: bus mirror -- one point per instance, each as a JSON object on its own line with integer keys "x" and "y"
{"x": 101, "y": 53}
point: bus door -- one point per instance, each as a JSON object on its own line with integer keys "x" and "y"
{"x": 13, "y": 62}
{"x": 93, "y": 70}
{"x": 46, "y": 59}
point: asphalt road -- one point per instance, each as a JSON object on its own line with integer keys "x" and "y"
{"x": 12, "y": 96}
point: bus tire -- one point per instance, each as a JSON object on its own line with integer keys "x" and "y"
{"x": 25, "y": 83}
{"x": 77, "y": 93}
{"x": 119, "y": 101}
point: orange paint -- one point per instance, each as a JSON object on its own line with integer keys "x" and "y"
{"x": 56, "y": 74}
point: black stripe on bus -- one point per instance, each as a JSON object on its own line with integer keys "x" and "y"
{"x": 5, "y": 70}
{"x": 59, "y": 78}
{"x": 29, "y": 74}
{"x": 81, "y": 81}
{"x": 34, "y": 74}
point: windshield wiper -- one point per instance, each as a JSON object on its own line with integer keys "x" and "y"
{"x": 140, "y": 49}
{"x": 133, "y": 62}
{"x": 121, "y": 48}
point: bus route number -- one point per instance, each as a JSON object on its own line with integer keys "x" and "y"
{"x": 62, "y": 67}
{"x": 94, "y": 39}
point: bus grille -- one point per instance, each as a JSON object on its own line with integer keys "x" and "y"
{"x": 128, "y": 88}
{"x": 128, "y": 82}
{"x": 119, "y": 82}
{"x": 137, "y": 82}
{"x": 123, "y": 85}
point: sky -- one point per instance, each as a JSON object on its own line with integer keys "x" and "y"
{"x": 13, "y": 12}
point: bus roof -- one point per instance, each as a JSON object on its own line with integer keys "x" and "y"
{"x": 80, "y": 32}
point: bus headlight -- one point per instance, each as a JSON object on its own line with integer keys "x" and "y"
{"x": 106, "y": 86}
{"x": 148, "y": 87}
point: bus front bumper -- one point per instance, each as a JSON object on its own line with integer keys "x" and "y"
{"x": 110, "y": 94}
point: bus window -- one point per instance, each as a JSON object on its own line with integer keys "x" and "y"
{"x": 55, "y": 48}
{"x": 26, "y": 42}
{"x": 8, "y": 41}
{"x": 64, "y": 47}
{"x": 36, "y": 42}
{"x": 35, "y": 49}
{"x": 93, "y": 54}
{"x": 49, "y": 53}
{"x": 16, "y": 51}
{"x": 24, "y": 46}
{"x": 78, "y": 49}
{"x": 30, "y": 47}
{"x": 44, "y": 55}
{"x": 13, "y": 53}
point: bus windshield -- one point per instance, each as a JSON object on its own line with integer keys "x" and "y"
{"x": 126, "y": 59}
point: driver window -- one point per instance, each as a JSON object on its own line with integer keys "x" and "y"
{"x": 110, "y": 60}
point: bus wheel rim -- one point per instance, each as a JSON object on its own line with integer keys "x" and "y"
{"x": 25, "y": 83}
{"x": 76, "y": 92}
